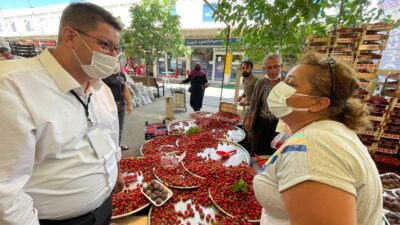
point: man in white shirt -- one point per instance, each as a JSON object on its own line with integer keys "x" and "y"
{"x": 6, "y": 54}
{"x": 59, "y": 126}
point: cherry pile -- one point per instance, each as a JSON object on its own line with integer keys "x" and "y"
{"x": 127, "y": 201}
{"x": 227, "y": 117}
{"x": 131, "y": 198}
{"x": 177, "y": 177}
{"x": 178, "y": 128}
{"x": 211, "y": 123}
{"x": 200, "y": 115}
{"x": 209, "y": 169}
{"x": 241, "y": 204}
{"x": 152, "y": 147}
{"x": 196, "y": 143}
{"x": 168, "y": 215}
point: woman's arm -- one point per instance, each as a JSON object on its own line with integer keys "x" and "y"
{"x": 128, "y": 99}
{"x": 314, "y": 203}
{"x": 187, "y": 80}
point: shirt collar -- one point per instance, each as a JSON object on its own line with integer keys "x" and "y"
{"x": 64, "y": 81}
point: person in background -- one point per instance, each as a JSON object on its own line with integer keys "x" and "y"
{"x": 119, "y": 87}
{"x": 129, "y": 66}
{"x": 59, "y": 132}
{"x": 198, "y": 84}
{"x": 6, "y": 54}
{"x": 139, "y": 70}
{"x": 260, "y": 122}
{"x": 249, "y": 83}
{"x": 322, "y": 174}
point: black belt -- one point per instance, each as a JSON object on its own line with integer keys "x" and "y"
{"x": 100, "y": 216}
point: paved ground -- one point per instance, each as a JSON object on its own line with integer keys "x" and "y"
{"x": 133, "y": 134}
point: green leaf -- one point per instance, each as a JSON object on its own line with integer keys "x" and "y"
{"x": 243, "y": 188}
{"x": 235, "y": 187}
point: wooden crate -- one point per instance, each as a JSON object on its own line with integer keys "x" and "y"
{"x": 227, "y": 107}
{"x": 378, "y": 27}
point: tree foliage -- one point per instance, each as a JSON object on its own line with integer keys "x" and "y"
{"x": 283, "y": 25}
{"x": 154, "y": 30}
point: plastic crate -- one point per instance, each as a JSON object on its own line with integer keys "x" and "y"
{"x": 155, "y": 129}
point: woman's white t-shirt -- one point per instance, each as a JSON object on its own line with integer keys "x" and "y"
{"x": 327, "y": 152}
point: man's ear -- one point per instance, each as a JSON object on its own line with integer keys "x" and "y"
{"x": 67, "y": 36}
{"x": 320, "y": 104}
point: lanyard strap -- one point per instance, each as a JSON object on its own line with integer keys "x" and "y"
{"x": 86, "y": 106}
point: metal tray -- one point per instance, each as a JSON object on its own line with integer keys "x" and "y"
{"x": 226, "y": 213}
{"x": 236, "y": 135}
{"x": 173, "y": 186}
{"x": 133, "y": 186}
{"x": 225, "y": 145}
{"x": 181, "y": 206}
{"x": 179, "y": 125}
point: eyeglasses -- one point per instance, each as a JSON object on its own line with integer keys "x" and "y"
{"x": 272, "y": 67}
{"x": 331, "y": 63}
{"x": 107, "y": 46}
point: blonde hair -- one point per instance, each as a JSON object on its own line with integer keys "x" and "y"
{"x": 343, "y": 108}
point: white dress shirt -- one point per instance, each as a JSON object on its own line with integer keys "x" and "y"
{"x": 48, "y": 167}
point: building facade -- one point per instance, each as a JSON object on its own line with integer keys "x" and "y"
{"x": 38, "y": 23}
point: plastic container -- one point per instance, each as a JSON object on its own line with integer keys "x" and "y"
{"x": 168, "y": 191}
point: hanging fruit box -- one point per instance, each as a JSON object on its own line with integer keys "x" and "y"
{"x": 378, "y": 26}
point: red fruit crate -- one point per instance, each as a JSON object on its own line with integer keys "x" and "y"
{"x": 378, "y": 109}
{"x": 379, "y": 100}
{"x": 155, "y": 129}
{"x": 374, "y": 133}
{"x": 386, "y": 149}
{"x": 394, "y": 135}
{"x": 377, "y": 118}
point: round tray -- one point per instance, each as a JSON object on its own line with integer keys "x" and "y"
{"x": 181, "y": 206}
{"x": 236, "y": 135}
{"x": 180, "y": 125}
{"x": 133, "y": 185}
{"x": 226, "y": 213}
{"x": 149, "y": 215}
{"x": 241, "y": 155}
{"x": 141, "y": 148}
{"x": 173, "y": 186}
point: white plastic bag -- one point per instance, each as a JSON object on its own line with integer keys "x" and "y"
{"x": 279, "y": 140}
{"x": 148, "y": 99}
{"x": 133, "y": 102}
{"x": 149, "y": 93}
{"x": 144, "y": 102}
{"x": 138, "y": 101}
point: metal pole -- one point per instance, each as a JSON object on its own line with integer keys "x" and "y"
{"x": 226, "y": 54}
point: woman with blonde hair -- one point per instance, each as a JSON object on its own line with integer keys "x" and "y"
{"x": 322, "y": 174}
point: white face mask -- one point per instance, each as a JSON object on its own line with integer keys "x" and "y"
{"x": 277, "y": 100}
{"x": 276, "y": 78}
{"x": 101, "y": 66}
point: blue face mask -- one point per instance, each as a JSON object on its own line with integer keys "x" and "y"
{"x": 277, "y": 100}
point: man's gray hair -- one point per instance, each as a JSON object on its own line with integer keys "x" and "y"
{"x": 272, "y": 56}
